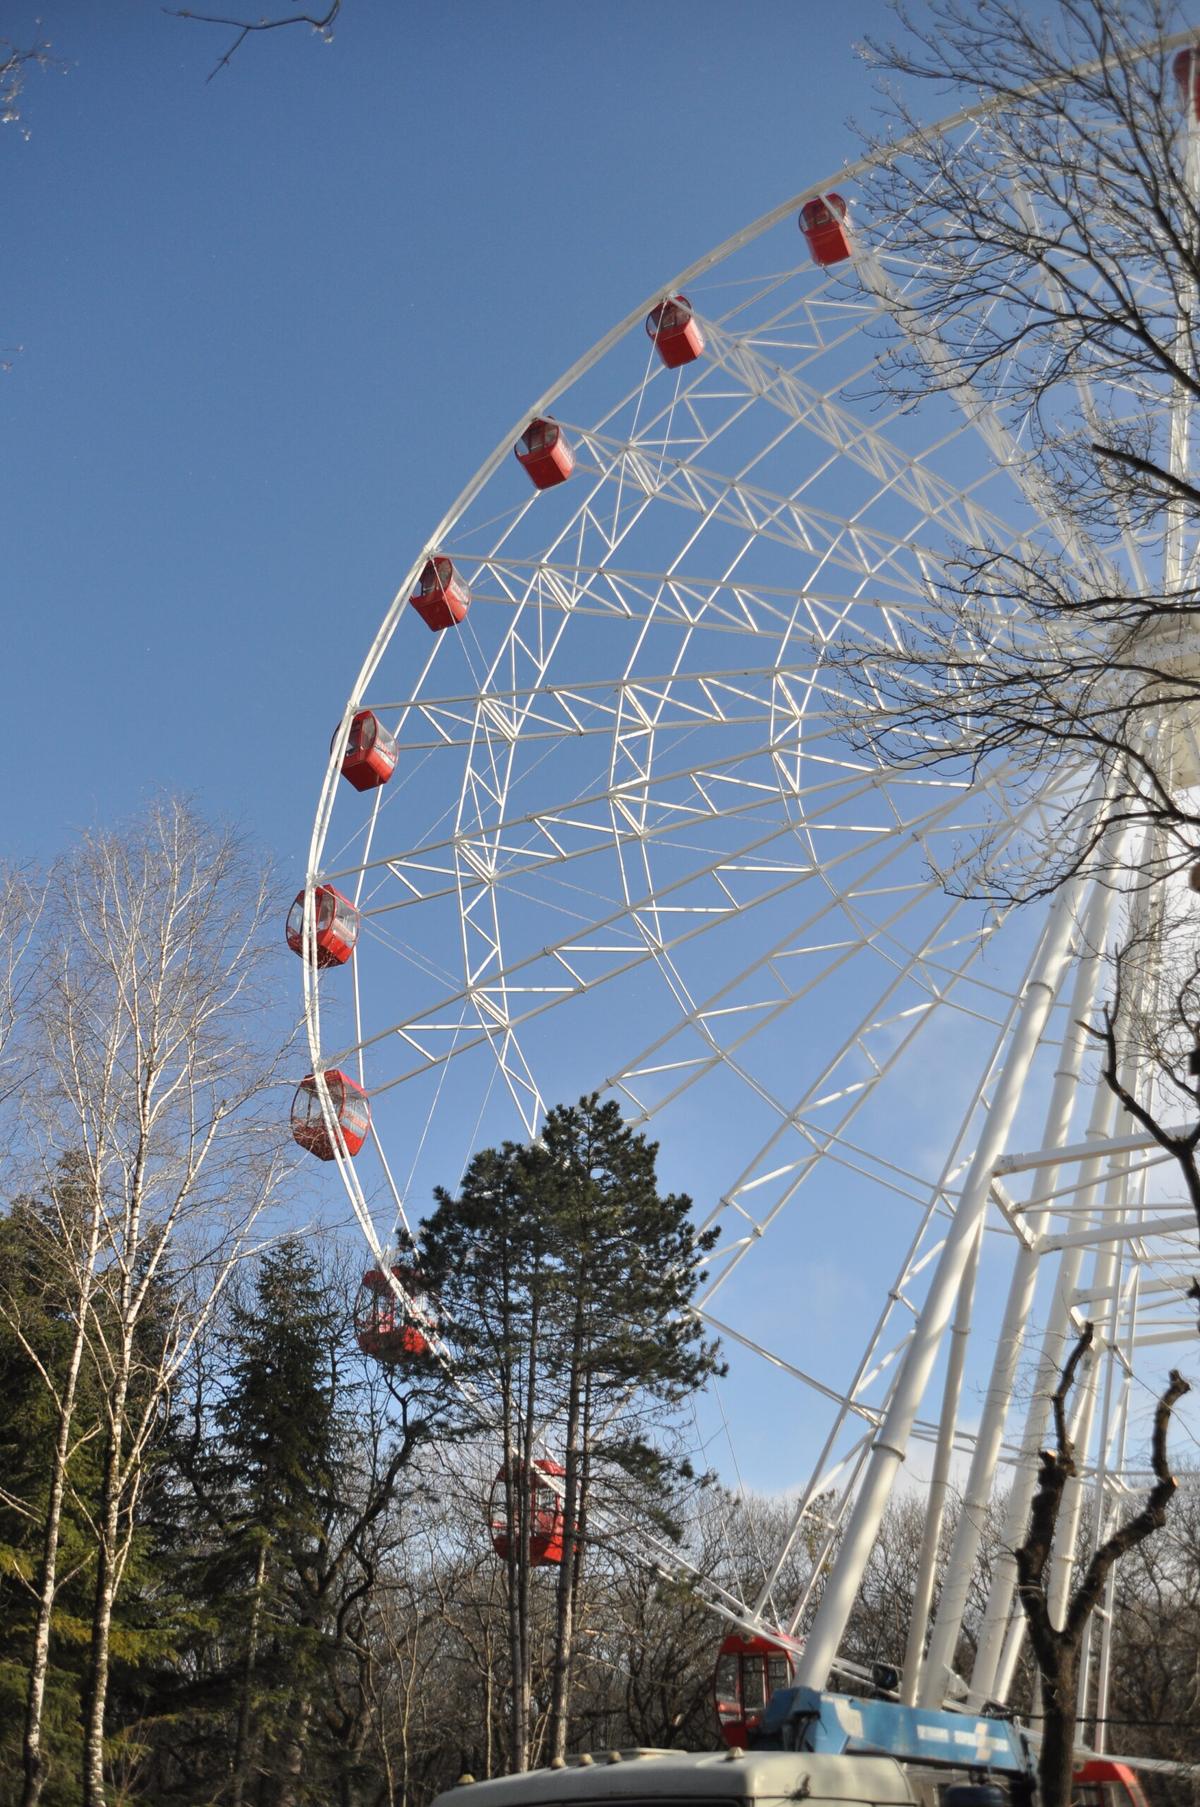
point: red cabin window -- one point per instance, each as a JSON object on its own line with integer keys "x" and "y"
{"x": 371, "y": 752}
{"x": 441, "y": 598}
{"x": 542, "y": 450}
{"x": 1186, "y": 68}
{"x": 675, "y": 331}
{"x": 381, "y": 1325}
{"x": 335, "y": 921}
{"x": 350, "y": 1108}
{"x": 826, "y": 229}
{"x": 545, "y": 1510}
{"x": 748, "y": 1671}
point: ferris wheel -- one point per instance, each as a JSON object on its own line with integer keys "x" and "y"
{"x": 596, "y": 818}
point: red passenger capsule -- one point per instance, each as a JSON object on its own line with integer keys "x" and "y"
{"x": 1103, "y": 1782}
{"x": 545, "y": 1509}
{"x": 350, "y": 1108}
{"x": 380, "y": 1323}
{"x": 675, "y": 331}
{"x": 826, "y": 229}
{"x": 543, "y": 451}
{"x": 336, "y": 922}
{"x": 370, "y": 756}
{"x": 1186, "y": 69}
{"x": 441, "y": 598}
{"x": 749, "y": 1669}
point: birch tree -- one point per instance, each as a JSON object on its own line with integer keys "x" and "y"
{"x": 154, "y": 1073}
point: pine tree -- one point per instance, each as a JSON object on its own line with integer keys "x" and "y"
{"x": 565, "y": 1279}
{"x": 280, "y": 1432}
{"x": 485, "y": 1257}
{"x": 289, "y": 1451}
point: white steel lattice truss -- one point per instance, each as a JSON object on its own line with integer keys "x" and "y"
{"x": 628, "y": 846}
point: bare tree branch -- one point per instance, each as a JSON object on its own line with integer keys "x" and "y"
{"x": 1056, "y": 1649}
{"x": 244, "y": 28}
{"x": 1052, "y": 257}
{"x": 15, "y": 65}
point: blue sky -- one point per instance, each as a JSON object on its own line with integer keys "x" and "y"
{"x": 263, "y": 328}
{"x": 268, "y": 325}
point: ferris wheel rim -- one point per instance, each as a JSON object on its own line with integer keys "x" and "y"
{"x": 847, "y": 172}
{"x": 446, "y": 527}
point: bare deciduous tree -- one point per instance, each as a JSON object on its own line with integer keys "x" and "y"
{"x": 1055, "y": 241}
{"x": 1159, "y": 1026}
{"x": 153, "y": 1065}
{"x": 1056, "y": 1648}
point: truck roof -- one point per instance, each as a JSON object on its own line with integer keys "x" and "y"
{"x": 696, "y": 1775}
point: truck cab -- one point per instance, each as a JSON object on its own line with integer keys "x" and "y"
{"x": 731, "y": 1778}
{"x": 824, "y": 1749}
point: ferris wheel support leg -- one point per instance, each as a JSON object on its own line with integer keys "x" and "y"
{"x": 1106, "y": 1281}
{"x": 996, "y": 1655}
{"x": 985, "y": 1459}
{"x": 997, "y": 1658}
{"x": 995, "y": 1684}
{"x": 939, "y": 1481}
{"x": 891, "y": 1443}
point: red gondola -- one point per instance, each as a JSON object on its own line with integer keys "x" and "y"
{"x": 545, "y": 1515}
{"x": 379, "y": 1319}
{"x": 371, "y": 753}
{"x": 748, "y": 1671}
{"x": 826, "y": 229}
{"x": 441, "y": 598}
{"x": 336, "y": 923}
{"x": 1186, "y": 69}
{"x": 1103, "y": 1783}
{"x": 675, "y": 331}
{"x": 350, "y": 1107}
{"x": 542, "y": 450}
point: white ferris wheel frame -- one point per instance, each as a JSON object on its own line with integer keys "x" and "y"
{"x": 1096, "y": 1181}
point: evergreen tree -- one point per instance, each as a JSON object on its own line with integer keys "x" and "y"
{"x": 566, "y": 1281}
{"x": 290, "y": 1452}
{"x": 280, "y": 1433}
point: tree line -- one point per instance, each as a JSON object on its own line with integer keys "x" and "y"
{"x": 311, "y": 1608}
{"x": 206, "y": 1479}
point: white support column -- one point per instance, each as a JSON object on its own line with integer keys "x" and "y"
{"x": 981, "y": 1476}
{"x": 1106, "y": 1268}
{"x": 992, "y": 1657}
{"x": 940, "y": 1479}
{"x": 891, "y": 1443}
{"x": 1105, "y": 1271}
